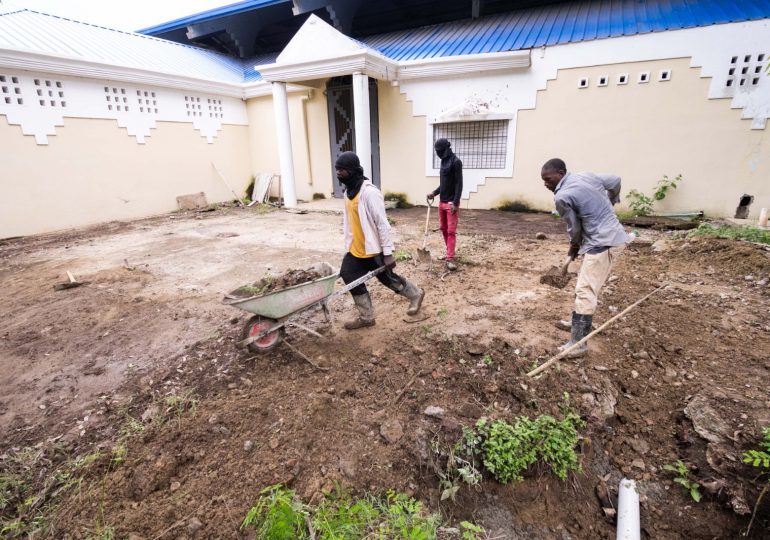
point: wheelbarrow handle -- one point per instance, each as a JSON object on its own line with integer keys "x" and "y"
{"x": 355, "y": 283}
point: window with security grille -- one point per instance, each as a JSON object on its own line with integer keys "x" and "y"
{"x": 480, "y": 145}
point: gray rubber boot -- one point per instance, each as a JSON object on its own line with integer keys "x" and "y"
{"x": 365, "y": 312}
{"x": 581, "y": 327}
{"x": 415, "y": 296}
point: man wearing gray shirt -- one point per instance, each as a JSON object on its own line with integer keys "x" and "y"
{"x": 585, "y": 202}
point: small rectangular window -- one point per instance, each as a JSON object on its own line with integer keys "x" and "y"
{"x": 664, "y": 75}
{"x": 644, "y": 77}
{"x": 760, "y": 58}
{"x": 734, "y": 60}
{"x": 755, "y": 81}
{"x": 583, "y": 82}
{"x": 15, "y": 80}
{"x": 729, "y": 82}
{"x": 480, "y": 145}
{"x": 747, "y": 58}
{"x": 603, "y": 80}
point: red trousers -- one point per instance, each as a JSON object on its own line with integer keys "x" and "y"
{"x": 448, "y": 224}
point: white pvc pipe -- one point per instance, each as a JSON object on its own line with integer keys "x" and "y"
{"x": 628, "y": 511}
{"x": 362, "y": 124}
{"x": 285, "y": 155}
{"x": 763, "y": 217}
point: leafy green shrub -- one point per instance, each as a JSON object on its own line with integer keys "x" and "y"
{"x": 742, "y": 232}
{"x": 403, "y": 200}
{"x": 507, "y": 205}
{"x": 682, "y": 478}
{"x": 510, "y": 449}
{"x": 641, "y": 204}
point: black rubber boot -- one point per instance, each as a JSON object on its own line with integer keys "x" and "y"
{"x": 581, "y": 327}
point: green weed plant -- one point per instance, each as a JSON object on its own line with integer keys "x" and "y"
{"x": 641, "y": 204}
{"x": 682, "y": 478}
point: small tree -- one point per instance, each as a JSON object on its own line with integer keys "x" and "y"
{"x": 641, "y": 204}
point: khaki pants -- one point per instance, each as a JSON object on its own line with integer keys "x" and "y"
{"x": 593, "y": 274}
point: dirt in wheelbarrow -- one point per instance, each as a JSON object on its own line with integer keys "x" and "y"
{"x": 180, "y": 432}
{"x": 276, "y": 283}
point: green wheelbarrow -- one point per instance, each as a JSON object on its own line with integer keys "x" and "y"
{"x": 276, "y": 310}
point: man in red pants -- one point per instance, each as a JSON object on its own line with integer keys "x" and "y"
{"x": 449, "y": 191}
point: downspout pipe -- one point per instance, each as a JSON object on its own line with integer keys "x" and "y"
{"x": 628, "y": 511}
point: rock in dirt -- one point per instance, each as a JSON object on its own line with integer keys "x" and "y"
{"x": 640, "y": 446}
{"x": 707, "y": 421}
{"x": 392, "y": 431}
{"x": 248, "y": 446}
{"x": 541, "y": 236}
{"x": 435, "y": 412}
{"x": 194, "y": 525}
{"x": 273, "y": 443}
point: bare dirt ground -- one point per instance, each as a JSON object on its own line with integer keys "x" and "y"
{"x": 144, "y": 358}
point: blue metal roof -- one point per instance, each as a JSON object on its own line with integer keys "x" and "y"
{"x": 568, "y": 22}
{"x": 252, "y": 75}
{"x": 231, "y": 9}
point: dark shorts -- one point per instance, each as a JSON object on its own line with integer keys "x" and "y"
{"x": 354, "y": 267}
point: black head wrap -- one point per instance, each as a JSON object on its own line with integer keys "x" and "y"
{"x": 350, "y": 162}
{"x": 442, "y": 147}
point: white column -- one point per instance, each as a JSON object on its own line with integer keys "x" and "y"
{"x": 363, "y": 127}
{"x": 281, "y": 108}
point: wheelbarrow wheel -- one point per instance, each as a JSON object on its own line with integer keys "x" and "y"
{"x": 257, "y": 325}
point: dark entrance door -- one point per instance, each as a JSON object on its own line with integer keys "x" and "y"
{"x": 339, "y": 96}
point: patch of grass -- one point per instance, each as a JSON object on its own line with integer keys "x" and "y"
{"x": 279, "y": 514}
{"x": 682, "y": 474}
{"x": 318, "y": 196}
{"x": 402, "y": 255}
{"x": 507, "y": 205}
{"x": 391, "y": 221}
{"x": 403, "y": 200}
{"x": 179, "y": 405}
{"x": 736, "y": 232}
{"x": 262, "y": 208}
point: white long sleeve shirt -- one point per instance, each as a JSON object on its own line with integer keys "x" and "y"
{"x": 374, "y": 221}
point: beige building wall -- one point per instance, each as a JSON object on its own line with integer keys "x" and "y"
{"x": 638, "y": 131}
{"x": 308, "y": 119}
{"x": 402, "y": 146}
{"x": 91, "y": 171}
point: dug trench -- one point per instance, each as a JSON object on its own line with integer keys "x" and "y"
{"x": 204, "y": 426}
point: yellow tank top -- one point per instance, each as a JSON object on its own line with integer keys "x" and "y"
{"x": 358, "y": 247}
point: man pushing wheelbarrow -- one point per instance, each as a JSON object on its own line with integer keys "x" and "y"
{"x": 368, "y": 242}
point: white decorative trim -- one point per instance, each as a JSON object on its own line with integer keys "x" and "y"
{"x": 449, "y": 66}
{"x": 362, "y": 61}
{"x": 134, "y": 107}
{"x": 61, "y": 65}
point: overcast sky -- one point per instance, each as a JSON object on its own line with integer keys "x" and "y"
{"x": 131, "y": 15}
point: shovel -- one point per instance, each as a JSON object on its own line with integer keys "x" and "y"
{"x": 557, "y": 277}
{"x": 423, "y": 254}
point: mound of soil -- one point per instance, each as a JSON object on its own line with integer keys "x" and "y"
{"x": 555, "y": 278}
{"x": 276, "y": 283}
